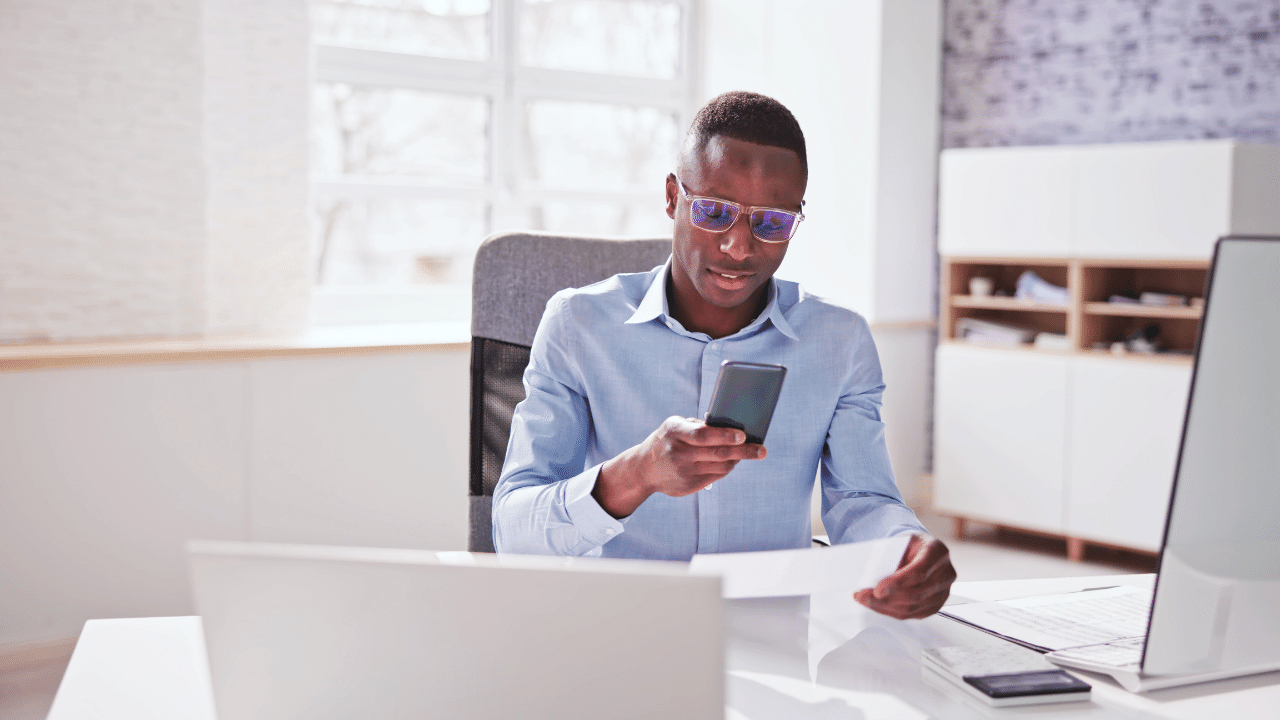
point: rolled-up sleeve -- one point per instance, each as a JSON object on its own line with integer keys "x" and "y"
{"x": 543, "y": 502}
{"x": 860, "y": 500}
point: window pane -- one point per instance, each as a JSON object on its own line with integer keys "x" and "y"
{"x": 615, "y": 218}
{"x": 380, "y": 131}
{"x": 457, "y": 29}
{"x": 595, "y": 146}
{"x": 636, "y": 38}
{"x": 363, "y": 242}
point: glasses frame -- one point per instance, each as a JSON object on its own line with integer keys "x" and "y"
{"x": 743, "y": 211}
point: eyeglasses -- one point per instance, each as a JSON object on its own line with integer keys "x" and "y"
{"x": 771, "y": 225}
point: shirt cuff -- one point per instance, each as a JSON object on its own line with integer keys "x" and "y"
{"x": 589, "y": 519}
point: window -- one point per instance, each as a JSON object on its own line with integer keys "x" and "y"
{"x": 437, "y": 122}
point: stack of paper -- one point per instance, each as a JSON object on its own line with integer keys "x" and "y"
{"x": 1162, "y": 299}
{"x": 992, "y": 333}
{"x": 776, "y": 573}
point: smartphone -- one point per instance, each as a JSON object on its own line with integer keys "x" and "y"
{"x": 745, "y": 396}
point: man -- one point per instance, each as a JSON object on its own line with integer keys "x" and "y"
{"x": 606, "y": 455}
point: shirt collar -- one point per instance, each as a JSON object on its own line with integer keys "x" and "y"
{"x": 654, "y": 305}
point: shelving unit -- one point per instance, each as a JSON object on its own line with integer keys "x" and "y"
{"x": 1060, "y": 415}
{"x": 1079, "y": 442}
{"x": 1089, "y": 318}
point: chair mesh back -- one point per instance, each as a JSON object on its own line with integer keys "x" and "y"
{"x": 515, "y": 274}
{"x": 497, "y": 371}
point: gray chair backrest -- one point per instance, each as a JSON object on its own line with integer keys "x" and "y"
{"x": 515, "y": 275}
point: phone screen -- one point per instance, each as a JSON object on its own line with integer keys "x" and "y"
{"x": 745, "y": 397}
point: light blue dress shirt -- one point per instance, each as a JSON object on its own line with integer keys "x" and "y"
{"x": 609, "y": 364}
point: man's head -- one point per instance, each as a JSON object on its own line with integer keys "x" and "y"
{"x": 746, "y": 149}
{"x": 746, "y": 116}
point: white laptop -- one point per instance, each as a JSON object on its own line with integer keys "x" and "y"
{"x": 325, "y": 632}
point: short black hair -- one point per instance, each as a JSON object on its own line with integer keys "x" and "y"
{"x": 746, "y": 116}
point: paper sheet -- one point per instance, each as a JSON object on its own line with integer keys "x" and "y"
{"x": 1054, "y": 622}
{"x": 774, "y": 573}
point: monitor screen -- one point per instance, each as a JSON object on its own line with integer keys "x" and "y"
{"x": 1217, "y": 604}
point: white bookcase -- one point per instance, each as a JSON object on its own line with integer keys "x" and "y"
{"x": 1079, "y": 442}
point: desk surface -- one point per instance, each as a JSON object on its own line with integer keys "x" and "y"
{"x": 818, "y": 657}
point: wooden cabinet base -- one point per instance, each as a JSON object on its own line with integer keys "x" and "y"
{"x": 1075, "y": 549}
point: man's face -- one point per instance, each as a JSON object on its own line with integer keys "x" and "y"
{"x": 721, "y": 277}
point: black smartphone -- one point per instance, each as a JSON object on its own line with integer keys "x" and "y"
{"x": 1025, "y": 684}
{"x": 745, "y": 396}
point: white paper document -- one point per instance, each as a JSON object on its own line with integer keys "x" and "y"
{"x": 1054, "y": 622}
{"x": 774, "y": 573}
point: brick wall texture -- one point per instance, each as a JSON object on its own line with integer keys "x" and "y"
{"x": 153, "y": 168}
{"x": 1047, "y": 72}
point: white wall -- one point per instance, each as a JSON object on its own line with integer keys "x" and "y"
{"x": 257, "y": 125}
{"x": 906, "y": 354}
{"x": 153, "y": 182}
{"x": 862, "y": 78}
{"x": 153, "y": 167}
{"x": 107, "y": 471}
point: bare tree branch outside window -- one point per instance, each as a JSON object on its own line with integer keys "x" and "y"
{"x": 407, "y": 185}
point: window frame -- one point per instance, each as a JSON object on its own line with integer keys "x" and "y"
{"x": 507, "y": 85}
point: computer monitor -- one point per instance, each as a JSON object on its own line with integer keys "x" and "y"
{"x": 1217, "y": 599}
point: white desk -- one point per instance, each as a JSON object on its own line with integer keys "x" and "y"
{"x": 787, "y": 658}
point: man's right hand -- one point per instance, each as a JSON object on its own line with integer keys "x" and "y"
{"x": 680, "y": 458}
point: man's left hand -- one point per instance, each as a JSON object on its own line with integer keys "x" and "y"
{"x": 920, "y": 585}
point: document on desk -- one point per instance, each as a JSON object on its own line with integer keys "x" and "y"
{"x": 775, "y": 573}
{"x": 1056, "y": 622}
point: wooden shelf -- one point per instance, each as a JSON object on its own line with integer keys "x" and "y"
{"x": 1171, "y": 358}
{"x": 1143, "y": 311}
{"x": 1023, "y": 348}
{"x": 1089, "y": 318}
{"x": 1004, "y": 303}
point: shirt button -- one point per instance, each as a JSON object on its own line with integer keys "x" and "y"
{"x": 609, "y": 531}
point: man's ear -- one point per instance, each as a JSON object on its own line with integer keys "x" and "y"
{"x": 673, "y": 194}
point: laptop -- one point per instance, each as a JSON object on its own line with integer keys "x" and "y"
{"x": 297, "y": 631}
{"x": 1216, "y": 609}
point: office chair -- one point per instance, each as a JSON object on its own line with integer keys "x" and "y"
{"x": 515, "y": 275}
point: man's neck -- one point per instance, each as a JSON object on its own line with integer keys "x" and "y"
{"x": 714, "y": 321}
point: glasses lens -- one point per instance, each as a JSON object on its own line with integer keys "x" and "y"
{"x": 773, "y": 225}
{"x": 712, "y": 215}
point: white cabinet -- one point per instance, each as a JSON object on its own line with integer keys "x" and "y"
{"x": 1168, "y": 200}
{"x": 1125, "y": 427}
{"x": 1000, "y": 436}
{"x": 1006, "y": 201}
